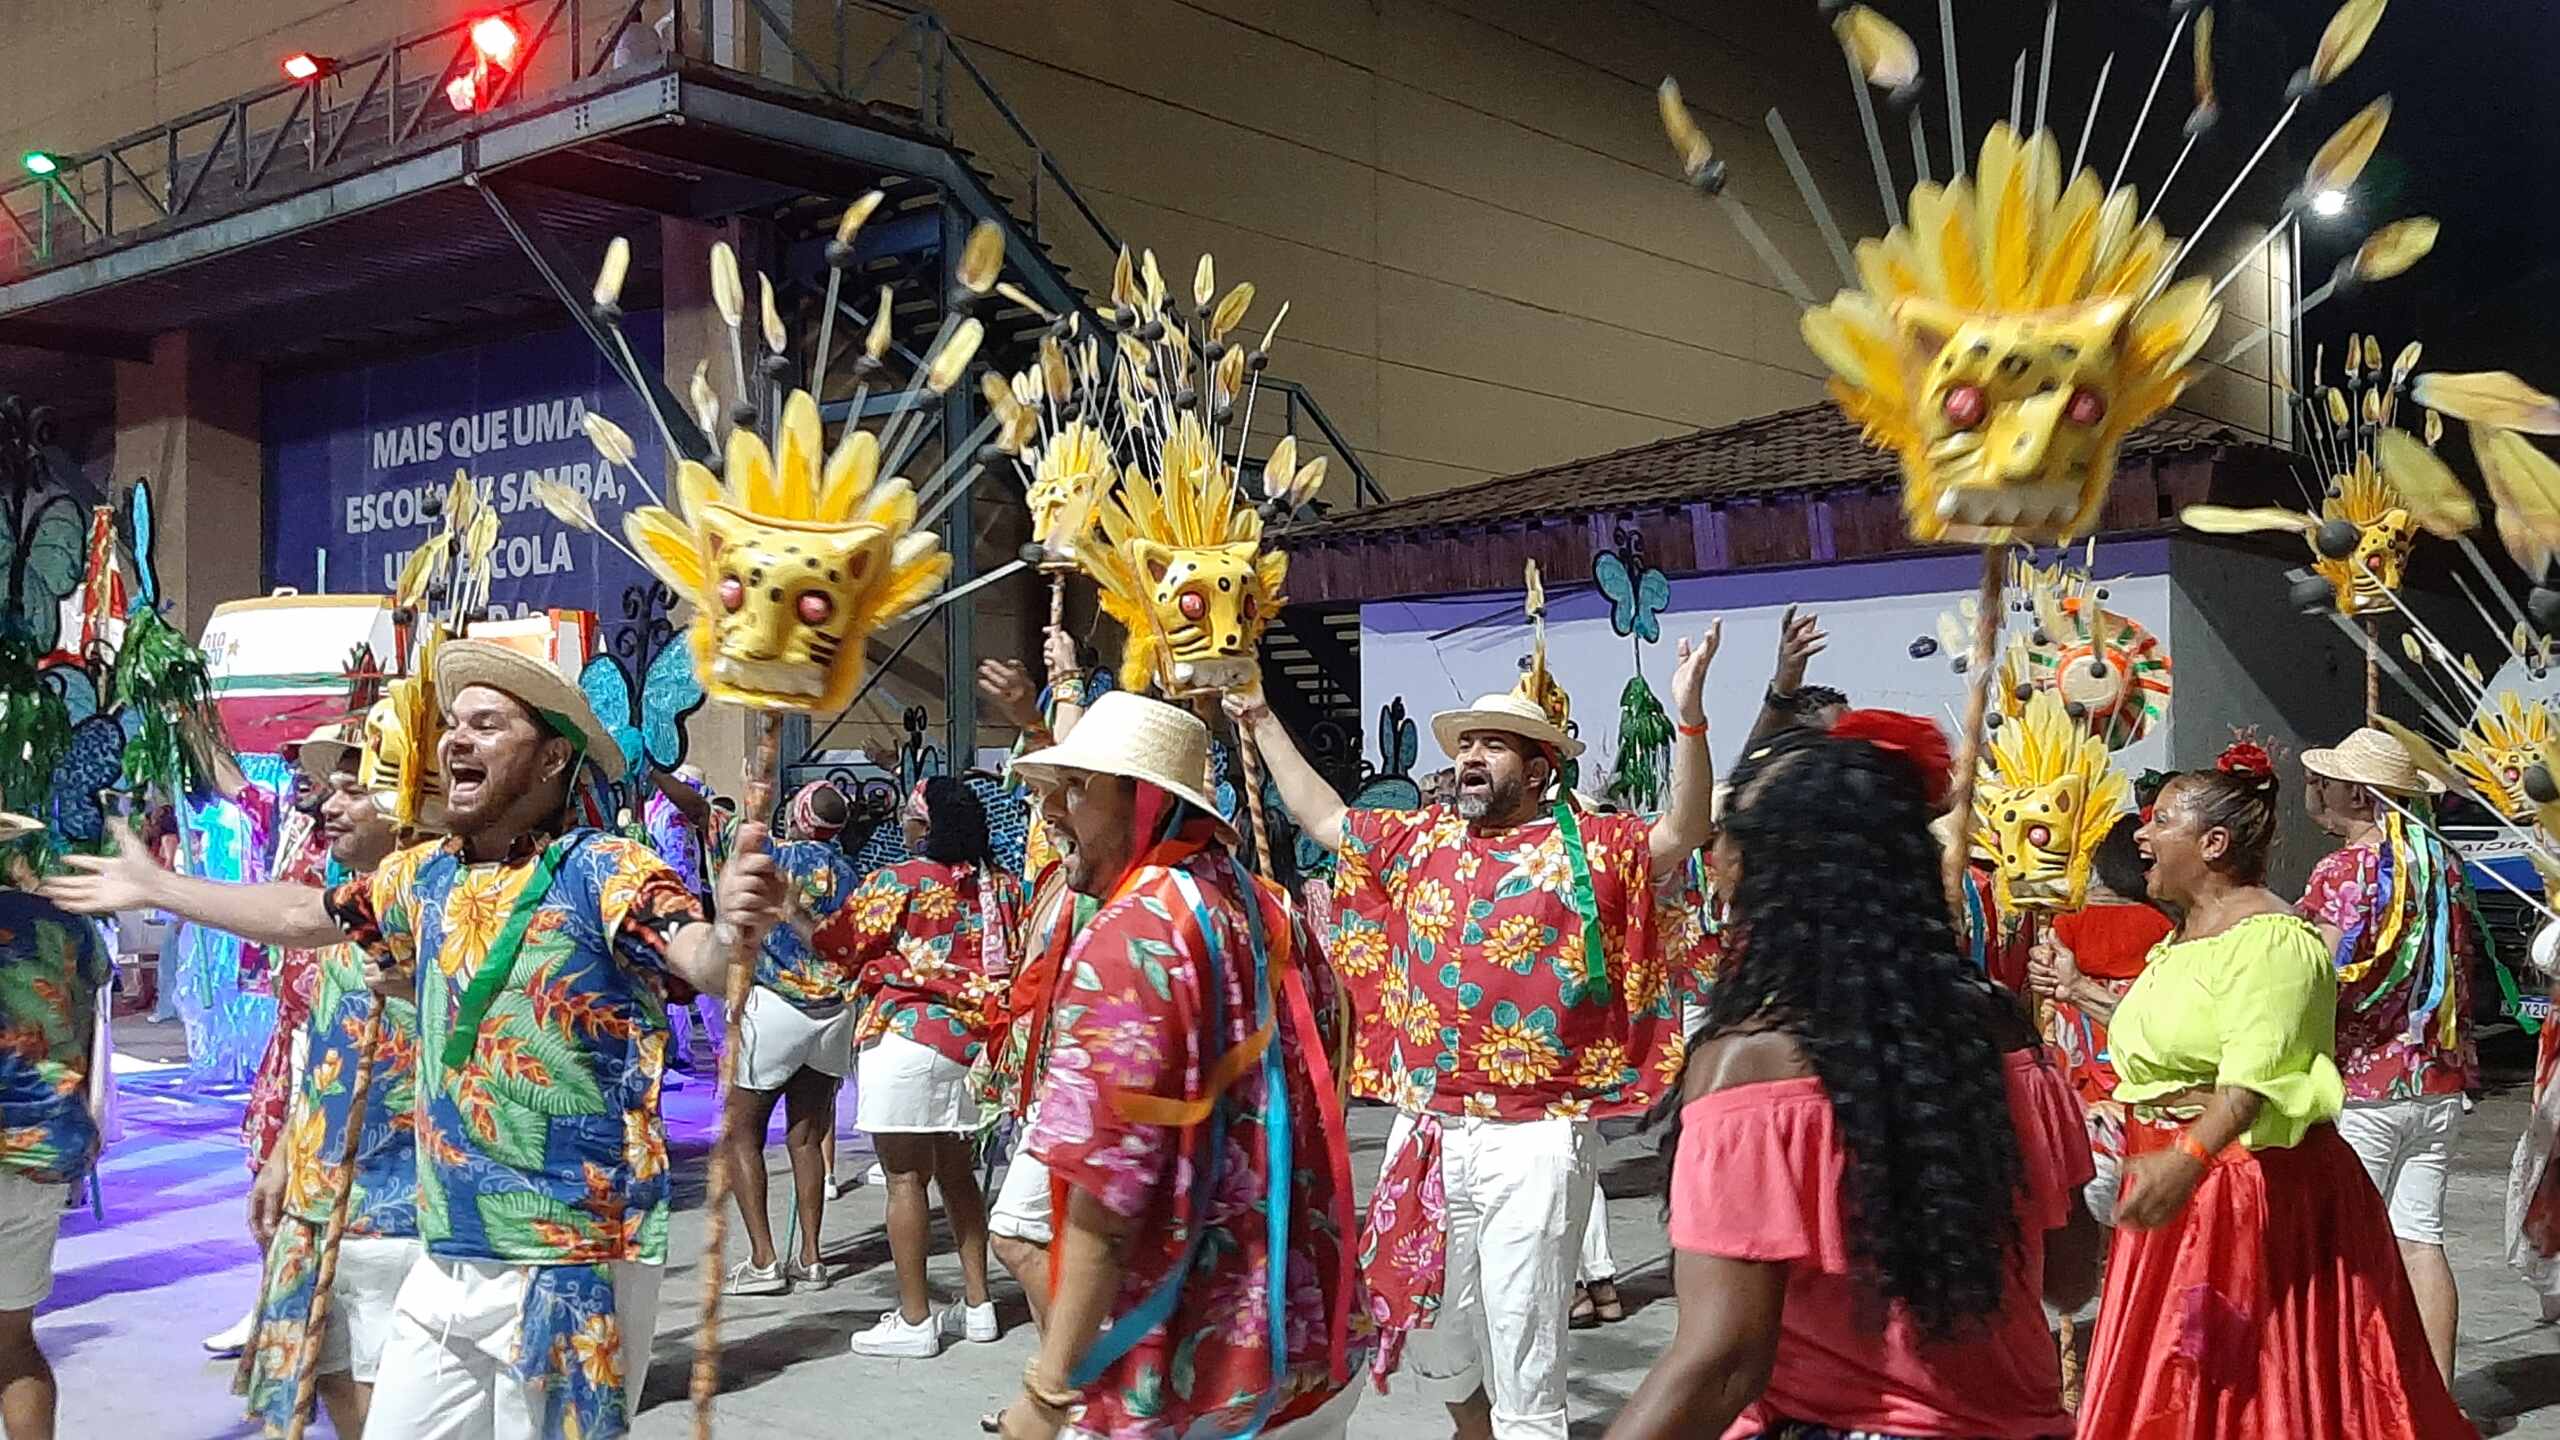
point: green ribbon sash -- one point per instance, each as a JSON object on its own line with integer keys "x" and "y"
{"x": 1595, "y": 971}
{"x": 501, "y": 962}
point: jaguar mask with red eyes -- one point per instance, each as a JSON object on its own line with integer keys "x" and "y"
{"x": 1185, "y": 572}
{"x": 2044, "y": 804}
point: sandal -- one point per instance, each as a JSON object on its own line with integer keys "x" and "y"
{"x": 1606, "y": 1307}
{"x": 1585, "y": 1315}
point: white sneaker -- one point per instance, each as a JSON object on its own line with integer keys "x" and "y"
{"x": 975, "y": 1323}
{"x": 813, "y": 1277}
{"x": 893, "y": 1338}
{"x": 876, "y": 1175}
{"x": 748, "y": 1278}
{"x": 835, "y": 1188}
{"x": 229, "y": 1343}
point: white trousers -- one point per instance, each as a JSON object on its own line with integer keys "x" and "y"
{"x": 1598, "y": 1262}
{"x": 444, "y": 1371}
{"x": 1519, "y": 1193}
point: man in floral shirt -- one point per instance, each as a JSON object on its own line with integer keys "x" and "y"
{"x": 541, "y": 956}
{"x": 1504, "y": 958}
{"x": 299, "y": 1188}
{"x": 1204, "y": 1269}
{"x": 51, "y": 967}
{"x": 2397, "y": 910}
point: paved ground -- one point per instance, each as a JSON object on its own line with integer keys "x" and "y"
{"x": 173, "y": 1263}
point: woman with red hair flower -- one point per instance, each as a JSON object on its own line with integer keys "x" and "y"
{"x": 2253, "y": 1288}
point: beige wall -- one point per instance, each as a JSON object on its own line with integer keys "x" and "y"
{"x": 1470, "y": 202}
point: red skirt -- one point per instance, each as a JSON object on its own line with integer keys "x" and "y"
{"x": 2274, "y": 1307}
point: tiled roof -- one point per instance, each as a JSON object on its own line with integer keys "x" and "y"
{"x": 1810, "y": 448}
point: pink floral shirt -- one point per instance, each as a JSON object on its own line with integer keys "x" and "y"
{"x": 1132, "y": 1009}
{"x": 2404, "y": 1024}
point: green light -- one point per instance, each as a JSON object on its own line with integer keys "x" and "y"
{"x": 38, "y": 163}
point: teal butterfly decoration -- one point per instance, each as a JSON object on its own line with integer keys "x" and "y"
{"x": 647, "y": 719}
{"x": 1637, "y": 593}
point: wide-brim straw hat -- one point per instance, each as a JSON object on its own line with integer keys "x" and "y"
{"x": 1512, "y": 713}
{"x": 319, "y": 754}
{"x": 551, "y": 695}
{"x": 1135, "y": 738}
{"x": 2372, "y": 758}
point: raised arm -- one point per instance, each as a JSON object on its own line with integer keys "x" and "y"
{"x": 1689, "y": 819}
{"x": 293, "y": 916}
{"x": 1800, "y": 638}
{"x": 1312, "y": 803}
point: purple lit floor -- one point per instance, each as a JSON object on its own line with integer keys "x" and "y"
{"x": 172, "y": 1263}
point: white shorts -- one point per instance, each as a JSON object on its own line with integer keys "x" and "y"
{"x": 778, "y": 1039}
{"x": 370, "y": 1271}
{"x": 907, "y": 1088}
{"x": 445, "y": 1369}
{"x": 2406, "y": 1146}
{"x": 1022, "y": 1210}
{"x": 30, "y": 1218}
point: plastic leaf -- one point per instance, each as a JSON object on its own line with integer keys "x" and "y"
{"x": 2491, "y": 397}
{"x": 1310, "y": 480}
{"x": 1884, "y": 54}
{"x": 954, "y": 356}
{"x": 1022, "y": 297}
{"x": 776, "y": 340}
{"x": 2355, "y": 356}
{"x": 2406, "y": 361}
{"x": 2394, "y": 248}
{"x": 1204, "y": 282}
{"x": 2373, "y": 406}
{"x": 854, "y": 216}
{"x": 2426, "y": 484}
{"x": 1688, "y": 141}
{"x": 2345, "y": 39}
{"x": 611, "y": 440}
{"x": 876, "y": 344}
{"x": 706, "y": 405}
{"x": 2435, "y": 428}
{"x": 2524, "y": 484}
{"x": 1230, "y": 311}
{"x": 2230, "y": 520}
{"x": 982, "y": 258}
{"x": 564, "y": 502}
{"x": 727, "y": 291}
{"x": 1273, "y": 329}
{"x": 2338, "y": 414}
{"x": 2373, "y": 355}
{"x": 2204, "y": 62}
{"x": 1124, "y": 283}
{"x": 2409, "y": 647}
{"x": 1152, "y": 278}
{"x": 1053, "y": 370}
{"x": 2342, "y": 157}
{"x": 617, "y": 265}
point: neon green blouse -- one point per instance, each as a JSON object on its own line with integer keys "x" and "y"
{"x": 2253, "y": 1008}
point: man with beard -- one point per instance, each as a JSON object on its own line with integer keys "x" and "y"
{"x": 1506, "y": 959}
{"x": 290, "y": 1205}
{"x": 542, "y": 955}
{"x": 1189, "y": 1116}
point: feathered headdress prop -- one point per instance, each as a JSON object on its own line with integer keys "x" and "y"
{"x": 1134, "y": 464}
{"x": 444, "y": 582}
{"x": 2111, "y": 672}
{"x": 2045, "y": 802}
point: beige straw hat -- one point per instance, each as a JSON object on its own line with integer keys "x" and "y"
{"x": 320, "y": 753}
{"x": 1512, "y": 713}
{"x": 552, "y": 696}
{"x": 2371, "y": 757}
{"x": 1137, "y": 738}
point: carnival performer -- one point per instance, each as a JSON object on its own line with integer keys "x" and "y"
{"x": 1021, "y": 1226}
{"x": 1504, "y": 957}
{"x": 2396, "y": 908}
{"x": 2100, "y": 949}
{"x": 926, "y": 947}
{"x": 542, "y": 1202}
{"x": 797, "y": 1032}
{"x": 1789, "y": 701}
{"x": 2533, "y": 1182}
{"x": 1190, "y": 1119}
{"x": 290, "y": 1205}
{"x": 2252, "y": 1287}
{"x": 1876, "y": 1166}
{"x": 296, "y": 978}
{"x": 52, "y": 965}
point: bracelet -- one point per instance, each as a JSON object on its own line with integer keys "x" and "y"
{"x": 1692, "y": 731}
{"x": 2189, "y": 1145}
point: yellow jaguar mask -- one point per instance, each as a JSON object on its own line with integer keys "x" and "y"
{"x": 789, "y": 568}
{"x": 1207, "y": 608}
{"x": 2044, "y": 805}
{"x": 403, "y": 762}
{"x": 1185, "y": 572}
{"x": 2002, "y": 345}
{"x": 2505, "y": 739}
{"x": 2385, "y": 534}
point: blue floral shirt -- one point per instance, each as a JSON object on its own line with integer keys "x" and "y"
{"x": 385, "y": 1202}
{"x": 821, "y": 877}
{"x": 51, "y": 965}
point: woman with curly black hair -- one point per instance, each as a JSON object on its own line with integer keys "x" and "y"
{"x": 1876, "y": 1171}
{"x": 2254, "y": 1289}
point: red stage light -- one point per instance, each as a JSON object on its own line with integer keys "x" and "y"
{"x": 496, "y": 40}
{"x": 463, "y": 92}
{"x": 303, "y": 65}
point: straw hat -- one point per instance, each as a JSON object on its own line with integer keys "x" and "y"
{"x": 1512, "y": 713}
{"x": 320, "y": 753}
{"x": 1137, "y": 738}
{"x": 549, "y": 694}
{"x": 2371, "y": 757}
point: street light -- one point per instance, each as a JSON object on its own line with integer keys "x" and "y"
{"x": 2329, "y": 204}
{"x": 39, "y": 162}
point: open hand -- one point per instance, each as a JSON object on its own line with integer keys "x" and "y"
{"x": 104, "y": 884}
{"x": 751, "y": 895}
{"x": 1006, "y": 687}
{"x": 1800, "y": 638}
{"x": 1689, "y": 681}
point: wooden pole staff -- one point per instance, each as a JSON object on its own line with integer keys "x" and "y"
{"x": 1986, "y": 639}
{"x": 2069, "y": 1328}
{"x": 1250, "y": 762}
{"x": 306, "y": 1365}
{"x": 2372, "y": 669}
{"x": 756, "y": 808}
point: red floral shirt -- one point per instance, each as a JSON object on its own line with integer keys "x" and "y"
{"x": 1464, "y": 958}
{"x": 1132, "y": 1016}
{"x": 916, "y": 940}
{"x": 297, "y": 981}
{"x": 2404, "y": 962}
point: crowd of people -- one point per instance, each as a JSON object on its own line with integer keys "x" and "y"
{"x": 2173, "y": 1164}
